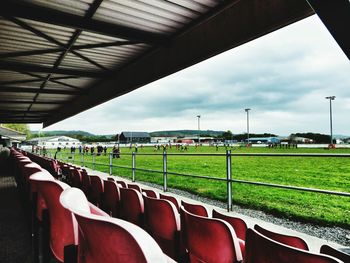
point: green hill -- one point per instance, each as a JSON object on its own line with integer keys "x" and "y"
{"x": 60, "y": 133}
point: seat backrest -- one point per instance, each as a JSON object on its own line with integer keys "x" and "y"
{"x": 131, "y": 206}
{"x": 29, "y": 168}
{"x": 292, "y": 241}
{"x": 162, "y": 221}
{"x": 107, "y": 240}
{"x": 111, "y": 198}
{"x": 209, "y": 239}
{"x": 150, "y": 193}
{"x": 85, "y": 182}
{"x": 196, "y": 209}
{"x": 97, "y": 189}
{"x": 135, "y": 186}
{"x": 237, "y": 223}
{"x": 122, "y": 183}
{"x": 331, "y": 251}
{"x": 261, "y": 249}
{"x": 63, "y": 232}
{"x": 76, "y": 178}
{"x": 171, "y": 199}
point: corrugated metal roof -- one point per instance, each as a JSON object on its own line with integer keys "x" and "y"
{"x": 54, "y": 52}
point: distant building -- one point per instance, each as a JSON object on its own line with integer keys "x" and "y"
{"x": 134, "y": 137}
{"x": 296, "y": 139}
{"x": 52, "y": 142}
{"x": 9, "y": 137}
{"x": 183, "y": 140}
{"x": 168, "y": 139}
{"x": 264, "y": 140}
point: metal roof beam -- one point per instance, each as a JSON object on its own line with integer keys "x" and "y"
{"x": 22, "y": 120}
{"x": 14, "y": 66}
{"x": 43, "y": 91}
{"x": 47, "y": 15}
{"x": 60, "y": 49}
{"x": 51, "y": 39}
{"x": 335, "y": 15}
{"x": 24, "y": 112}
{"x": 52, "y": 80}
{"x": 31, "y": 102}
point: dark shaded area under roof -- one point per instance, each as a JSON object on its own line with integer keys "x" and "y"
{"x": 59, "y": 58}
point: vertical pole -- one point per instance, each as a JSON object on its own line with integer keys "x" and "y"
{"x": 330, "y": 117}
{"x": 228, "y": 180}
{"x": 110, "y": 163}
{"x": 248, "y": 126}
{"x": 165, "y": 172}
{"x": 93, "y": 161}
{"x": 133, "y": 166}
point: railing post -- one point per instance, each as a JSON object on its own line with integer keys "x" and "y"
{"x": 82, "y": 159}
{"x": 93, "y": 161}
{"x": 165, "y": 172}
{"x": 110, "y": 163}
{"x": 133, "y": 166}
{"x": 228, "y": 180}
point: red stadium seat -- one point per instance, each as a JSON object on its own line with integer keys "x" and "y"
{"x": 135, "y": 186}
{"x": 163, "y": 223}
{"x": 61, "y": 225}
{"x": 122, "y": 183}
{"x": 96, "y": 191}
{"x": 109, "y": 240}
{"x": 292, "y": 241}
{"x": 261, "y": 249}
{"x": 328, "y": 250}
{"x": 209, "y": 240}
{"x": 237, "y": 223}
{"x": 150, "y": 193}
{"x": 85, "y": 182}
{"x": 76, "y": 178}
{"x": 111, "y": 198}
{"x": 171, "y": 199}
{"x": 196, "y": 209}
{"x": 131, "y": 206}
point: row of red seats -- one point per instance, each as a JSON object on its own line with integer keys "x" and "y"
{"x": 201, "y": 238}
{"x": 78, "y": 231}
{"x": 159, "y": 215}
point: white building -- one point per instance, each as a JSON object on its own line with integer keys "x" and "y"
{"x": 53, "y": 142}
{"x": 160, "y": 139}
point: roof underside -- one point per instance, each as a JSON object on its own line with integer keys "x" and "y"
{"x": 61, "y": 57}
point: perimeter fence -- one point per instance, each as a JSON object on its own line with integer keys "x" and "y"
{"x": 81, "y": 159}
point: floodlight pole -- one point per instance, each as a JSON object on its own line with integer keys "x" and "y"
{"x": 199, "y": 128}
{"x": 330, "y": 98}
{"x": 247, "y": 111}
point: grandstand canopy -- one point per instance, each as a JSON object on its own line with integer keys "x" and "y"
{"x": 61, "y": 57}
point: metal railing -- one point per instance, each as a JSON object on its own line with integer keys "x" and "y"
{"x": 229, "y": 180}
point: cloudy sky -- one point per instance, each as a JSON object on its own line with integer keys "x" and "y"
{"x": 283, "y": 77}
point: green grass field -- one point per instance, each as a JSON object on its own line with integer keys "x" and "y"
{"x": 321, "y": 173}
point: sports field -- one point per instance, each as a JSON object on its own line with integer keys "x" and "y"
{"x": 327, "y": 173}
